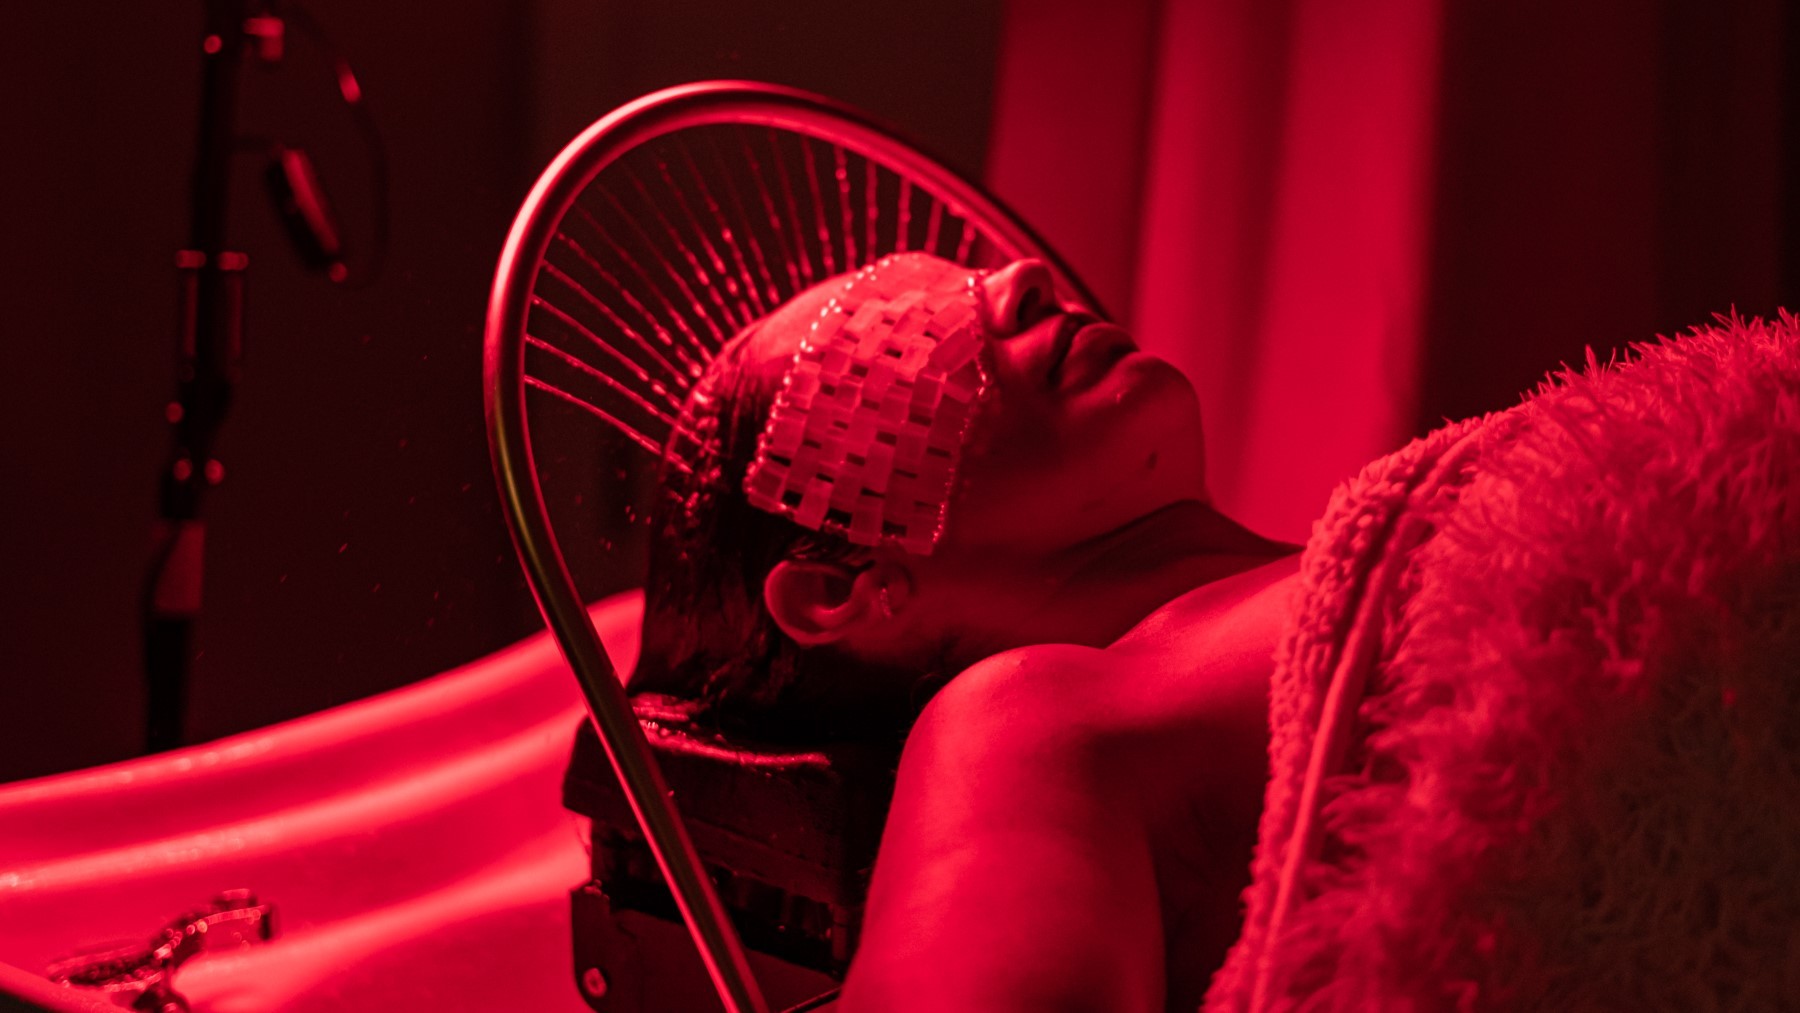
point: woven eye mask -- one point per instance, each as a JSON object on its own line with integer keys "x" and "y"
{"x": 867, "y": 430}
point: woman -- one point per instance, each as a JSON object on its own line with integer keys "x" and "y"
{"x": 1050, "y": 844}
{"x": 1534, "y": 710}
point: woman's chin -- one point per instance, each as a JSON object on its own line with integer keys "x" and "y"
{"x": 1133, "y": 376}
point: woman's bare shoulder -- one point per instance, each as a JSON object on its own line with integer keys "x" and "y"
{"x": 1020, "y": 701}
{"x": 1255, "y": 601}
{"x": 1009, "y": 877}
{"x": 1204, "y": 656}
{"x": 1030, "y": 786}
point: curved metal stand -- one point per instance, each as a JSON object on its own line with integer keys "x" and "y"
{"x": 509, "y": 437}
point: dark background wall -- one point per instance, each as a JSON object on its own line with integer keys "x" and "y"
{"x": 1607, "y": 173}
{"x": 355, "y": 545}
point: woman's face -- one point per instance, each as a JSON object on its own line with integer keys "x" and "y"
{"x": 1079, "y": 434}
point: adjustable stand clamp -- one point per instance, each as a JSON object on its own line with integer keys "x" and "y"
{"x": 209, "y": 342}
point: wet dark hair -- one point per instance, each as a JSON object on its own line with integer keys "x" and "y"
{"x": 707, "y": 635}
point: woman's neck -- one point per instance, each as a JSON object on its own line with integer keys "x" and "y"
{"x": 1096, "y": 591}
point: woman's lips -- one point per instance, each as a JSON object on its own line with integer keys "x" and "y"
{"x": 1092, "y": 351}
{"x": 1063, "y": 338}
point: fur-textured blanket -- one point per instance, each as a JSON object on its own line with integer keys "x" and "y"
{"x": 1536, "y": 725}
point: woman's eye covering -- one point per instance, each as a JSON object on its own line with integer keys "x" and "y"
{"x": 866, "y": 432}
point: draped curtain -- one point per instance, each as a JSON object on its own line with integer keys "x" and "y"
{"x": 1349, "y": 221}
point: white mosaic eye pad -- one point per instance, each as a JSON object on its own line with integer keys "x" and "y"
{"x": 867, "y": 430}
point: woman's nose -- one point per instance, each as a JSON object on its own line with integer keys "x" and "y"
{"x": 1018, "y": 295}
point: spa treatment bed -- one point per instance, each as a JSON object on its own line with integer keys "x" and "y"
{"x": 412, "y": 845}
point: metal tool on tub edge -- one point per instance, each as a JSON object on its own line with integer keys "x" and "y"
{"x": 141, "y": 977}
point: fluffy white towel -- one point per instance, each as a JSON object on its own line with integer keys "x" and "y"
{"x": 1536, "y": 726}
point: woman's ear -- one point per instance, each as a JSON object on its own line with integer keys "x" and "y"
{"x": 822, "y": 603}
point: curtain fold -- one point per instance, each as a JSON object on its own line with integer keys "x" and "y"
{"x": 1246, "y": 184}
{"x": 1288, "y": 280}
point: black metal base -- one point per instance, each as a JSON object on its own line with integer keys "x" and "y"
{"x": 632, "y": 962}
